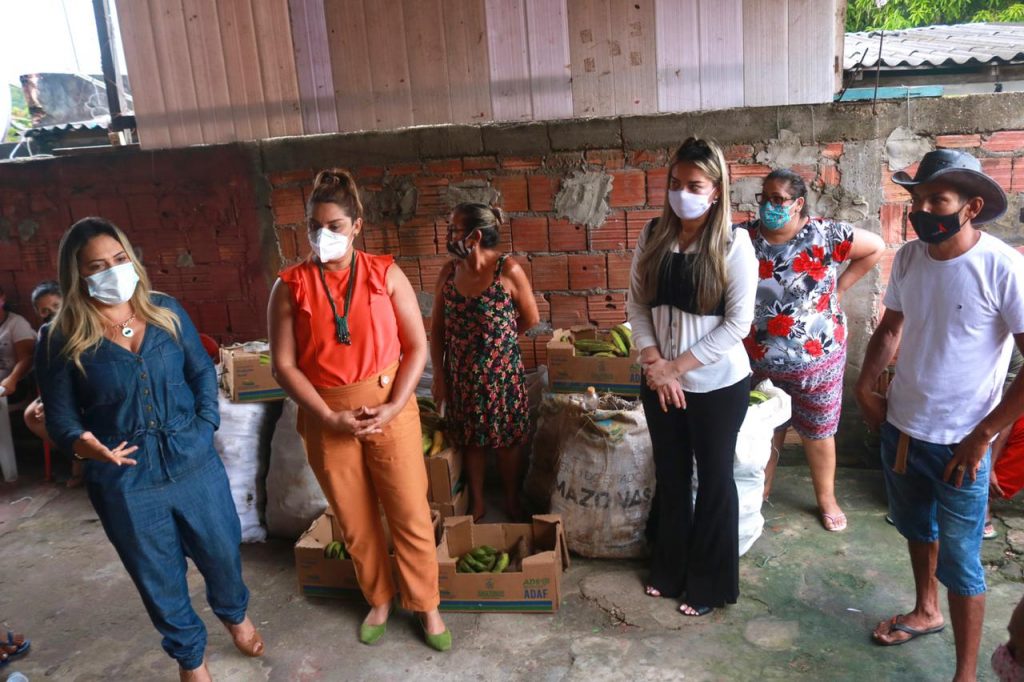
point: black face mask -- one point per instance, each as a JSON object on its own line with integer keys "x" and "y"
{"x": 48, "y": 318}
{"x": 935, "y": 229}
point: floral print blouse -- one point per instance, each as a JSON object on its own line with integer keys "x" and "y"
{"x": 797, "y": 318}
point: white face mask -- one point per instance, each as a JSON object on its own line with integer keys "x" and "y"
{"x": 328, "y": 245}
{"x": 115, "y": 285}
{"x": 687, "y": 205}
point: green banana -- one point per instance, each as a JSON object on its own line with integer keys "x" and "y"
{"x": 620, "y": 341}
{"x": 473, "y": 563}
{"x": 463, "y": 567}
{"x": 758, "y": 397}
{"x": 591, "y": 346}
{"x": 625, "y": 334}
{"x": 483, "y": 552}
{"x": 332, "y": 550}
{"x": 501, "y": 564}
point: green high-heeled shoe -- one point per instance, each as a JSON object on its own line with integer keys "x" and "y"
{"x": 371, "y": 634}
{"x": 439, "y": 642}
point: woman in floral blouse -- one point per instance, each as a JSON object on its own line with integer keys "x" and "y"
{"x": 798, "y": 339}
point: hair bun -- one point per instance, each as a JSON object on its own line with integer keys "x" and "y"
{"x": 499, "y": 215}
{"x": 333, "y": 177}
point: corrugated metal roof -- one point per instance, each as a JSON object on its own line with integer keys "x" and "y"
{"x": 931, "y": 46}
{"x": 100, "y": 123}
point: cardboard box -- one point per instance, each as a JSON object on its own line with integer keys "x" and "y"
{"x": 536, "y": 588}
{"x": 444, "y": 475}
{"x": 569, "y": 373}
{"x": 319, "y": 576}
{"x": 247, "y": 376}
{"x": 457, "y": 507}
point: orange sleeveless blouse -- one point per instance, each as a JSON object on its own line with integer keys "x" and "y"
{"x": 371, "y": 321}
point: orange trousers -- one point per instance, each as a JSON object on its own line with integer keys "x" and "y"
{"x": 388, "y": 467}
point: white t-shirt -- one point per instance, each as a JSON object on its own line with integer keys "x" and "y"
{"x": 715, "y": 340}
{"x": 13, "y": 329}
{"x": 958, "y": 317}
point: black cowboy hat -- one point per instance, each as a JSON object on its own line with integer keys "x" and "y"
{"x": 964, "y": 172}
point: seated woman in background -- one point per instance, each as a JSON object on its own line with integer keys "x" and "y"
{"x": 46, "y": 301}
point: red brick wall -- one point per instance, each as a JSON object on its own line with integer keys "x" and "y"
{"x": 192, "y": 213}
{"x": 1002, "y": 157}
{"x": 579, "y": 274}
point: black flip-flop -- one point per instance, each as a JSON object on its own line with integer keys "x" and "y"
{"x": 913, "y": 632}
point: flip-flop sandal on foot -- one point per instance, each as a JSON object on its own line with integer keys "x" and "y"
{"x": 913, "y": 632}
{"x": 652, "y": 591}
{"x": 834, "y": 523}
{"x": 989, "y": 532}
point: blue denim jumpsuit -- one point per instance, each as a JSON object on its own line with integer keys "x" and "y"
{"x": 175, "y": 502}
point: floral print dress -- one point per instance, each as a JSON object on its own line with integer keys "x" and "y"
{"x": 487, "y": 403}
{"x": 797, "y": 318}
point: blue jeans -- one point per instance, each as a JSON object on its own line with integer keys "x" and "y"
{"x": 927, "y": 509}
{"x": 154, "y": 530}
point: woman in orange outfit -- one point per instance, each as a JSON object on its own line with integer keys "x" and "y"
{"x": 348, "y": 347}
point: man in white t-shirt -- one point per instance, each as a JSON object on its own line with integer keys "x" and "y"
{"x": 954, "y": 305}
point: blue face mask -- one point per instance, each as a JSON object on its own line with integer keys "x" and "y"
{"x": 773, "y": 217}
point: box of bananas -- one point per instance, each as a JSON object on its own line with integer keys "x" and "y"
{"x": 586, "y": 356}
{"x": 432, "y": 426}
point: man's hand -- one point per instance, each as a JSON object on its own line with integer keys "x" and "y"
{"x": 873, "y": 408}
{"x": 966, "y": 459}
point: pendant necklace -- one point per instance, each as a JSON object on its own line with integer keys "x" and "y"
{"x": 126, "y": 331}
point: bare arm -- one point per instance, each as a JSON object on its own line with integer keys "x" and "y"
{"x": 971, "y": 450}
{"x": 284, "y": 361}
{"x": 866, "y": 250}
{"x": 881, "y": 350}
{"x": 1011, "y": 407}
{"x": 23, "y": 351}
{"x": 522, "y": 295}
{"x": 411, "y": 335}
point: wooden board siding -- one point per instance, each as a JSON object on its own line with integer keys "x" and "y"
{"x": 208, "y": 72}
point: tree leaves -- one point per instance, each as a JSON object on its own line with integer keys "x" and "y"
{"x": 864, "y": 15}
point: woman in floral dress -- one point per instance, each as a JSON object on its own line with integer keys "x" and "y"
{"x": 483, "y": 301}
{"x": 798, "y": 339}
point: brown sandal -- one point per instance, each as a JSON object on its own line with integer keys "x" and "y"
{"x": 253, "y": 647}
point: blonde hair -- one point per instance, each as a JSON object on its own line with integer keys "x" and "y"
{"x": 81, "y": 325}
{"x": 336, "y": 186}
{"x": 709, "y": 275}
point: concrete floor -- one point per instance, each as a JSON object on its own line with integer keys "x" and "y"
{"x": 809, "y": 601}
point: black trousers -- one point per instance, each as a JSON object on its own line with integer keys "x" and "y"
{"x": 696, "y": 552}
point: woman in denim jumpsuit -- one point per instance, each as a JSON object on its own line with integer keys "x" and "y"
{"x": 129, "y": 389}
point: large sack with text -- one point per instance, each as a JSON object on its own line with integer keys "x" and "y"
{"x": 600, "y": 470}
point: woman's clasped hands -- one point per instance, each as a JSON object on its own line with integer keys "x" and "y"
{"x": 662, "y": 377}
{"x": 364, "y": 421}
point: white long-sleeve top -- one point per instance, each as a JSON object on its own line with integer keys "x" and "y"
{"x": 715, "y": 340}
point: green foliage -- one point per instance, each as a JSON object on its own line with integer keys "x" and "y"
{"x": 20, "y": 119}
{"x": 864, "y": 15}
